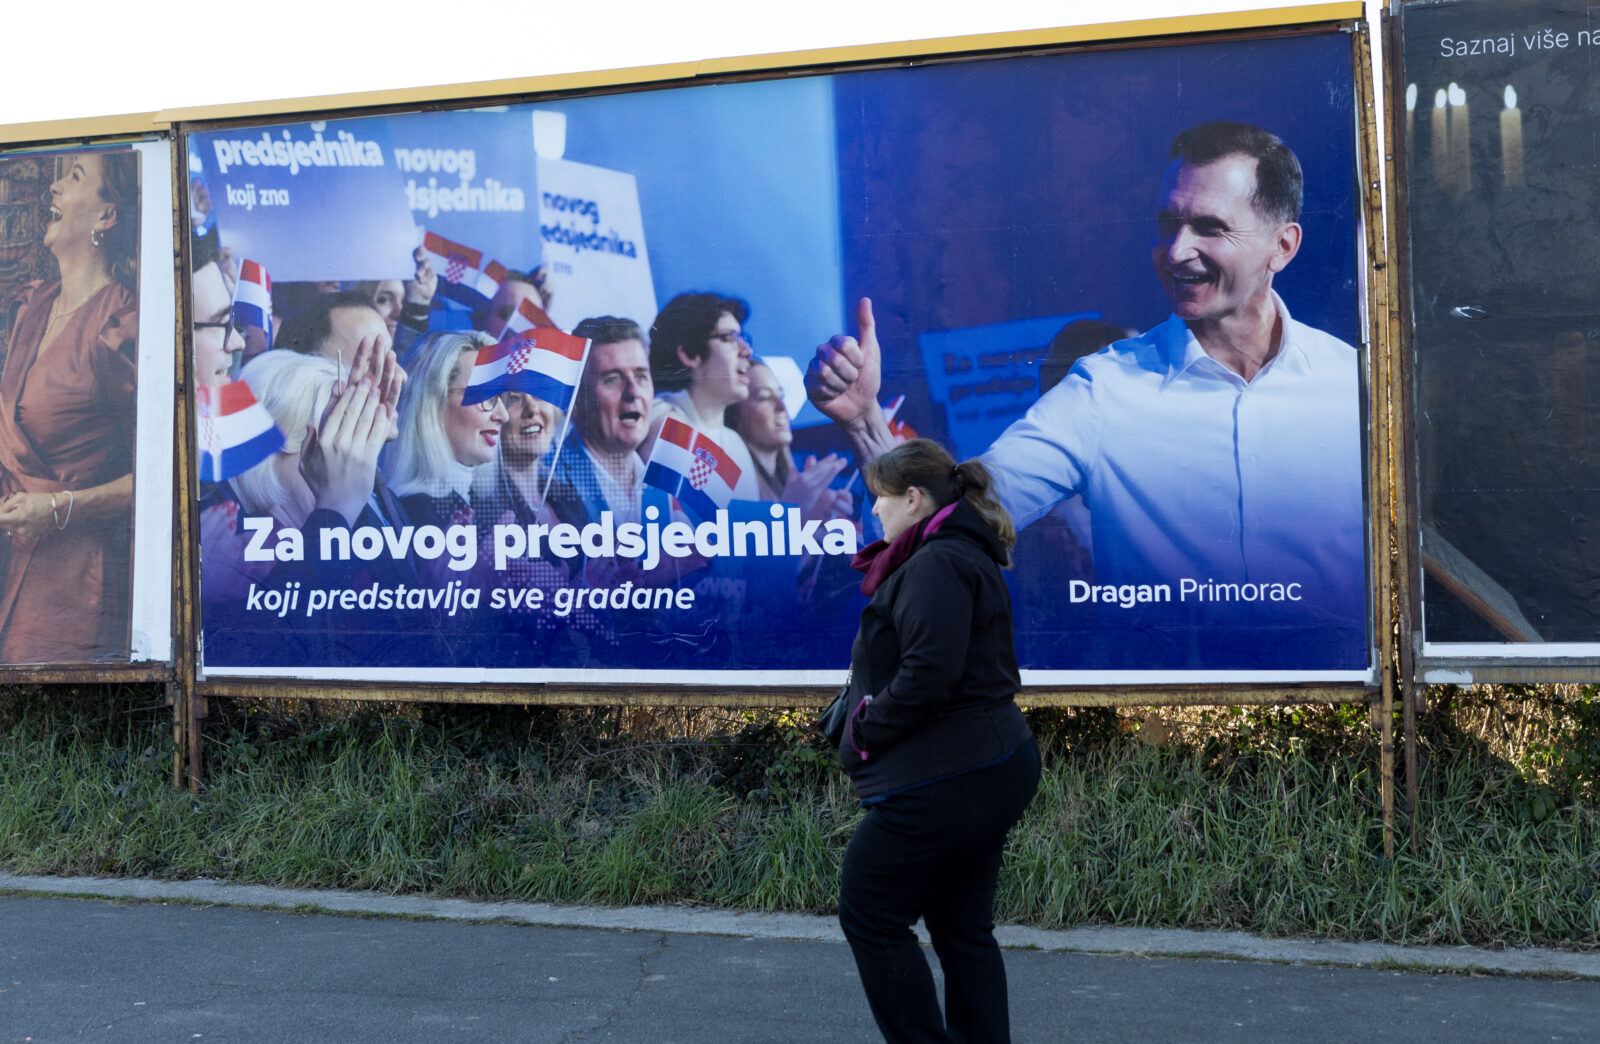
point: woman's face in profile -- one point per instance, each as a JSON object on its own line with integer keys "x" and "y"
{"x": 473, "y": 431}
{"x": 899, "y": 511}
{"x": 763, "y": 418}
{"x": 75, "y": 204}
{"x": 723, "y": 373}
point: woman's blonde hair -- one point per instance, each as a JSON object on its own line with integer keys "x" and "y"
{"x": 928, "y": 466}
{"x": 420, "y": 460}
{"x": 295, "y": 390}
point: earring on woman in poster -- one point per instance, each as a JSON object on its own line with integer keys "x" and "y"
{"x": 96, "y": 237}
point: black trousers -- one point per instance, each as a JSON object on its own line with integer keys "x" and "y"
{"x": 934, "y": 852}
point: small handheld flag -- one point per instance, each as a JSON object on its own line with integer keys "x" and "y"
{"x": 463, "y": 276}
{"x": 901, "y": 431}
{"x": 692, "y": 468}
{"x": 235, "y": 431}
{"x": 542, "y": 361}
{"x": 527, "y": 316}
{"x": 252, "y": 297}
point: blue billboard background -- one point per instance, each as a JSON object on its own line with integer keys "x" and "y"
{"x": 981, "y": 205}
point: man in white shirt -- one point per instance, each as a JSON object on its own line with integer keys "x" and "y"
{"x": 1219, "y": 453}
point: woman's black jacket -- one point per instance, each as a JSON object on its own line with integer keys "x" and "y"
{"x": 935, "y": 652}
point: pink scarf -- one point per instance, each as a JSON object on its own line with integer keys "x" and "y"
{"x": 880, "y": 558}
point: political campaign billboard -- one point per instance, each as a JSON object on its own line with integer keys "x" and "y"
{"x": 545, "y": 420}
{"x": 86, "y": 320}
{"x": 1499, "y": 102}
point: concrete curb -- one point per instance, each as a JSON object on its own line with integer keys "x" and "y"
{"x": 1146, "y": 942}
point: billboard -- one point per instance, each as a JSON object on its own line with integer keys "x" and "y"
{"x": 86, "y": 313}
{"x": 515, "y": 394}
{"x": 1504, "y": 237}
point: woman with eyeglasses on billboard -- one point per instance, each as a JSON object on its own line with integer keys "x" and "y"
{"x": 442, "y": 443}
{"x": 67, "y": 405}
{"x": 700, "y": 364}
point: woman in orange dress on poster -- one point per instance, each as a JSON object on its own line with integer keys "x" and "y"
{"x": 67, "y": 409}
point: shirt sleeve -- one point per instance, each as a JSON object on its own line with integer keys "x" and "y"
{"x": 1047, "y": 455}
{"x": 932, "y": 616}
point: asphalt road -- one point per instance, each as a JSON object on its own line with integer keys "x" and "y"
{"x": 88, "y": 969}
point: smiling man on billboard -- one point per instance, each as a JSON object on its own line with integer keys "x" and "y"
{"x": 1219, "y": 453}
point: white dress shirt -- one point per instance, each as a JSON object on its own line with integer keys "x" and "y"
{"x": 1190, "y": 471}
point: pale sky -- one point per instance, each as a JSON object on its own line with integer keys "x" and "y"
{"x": 96, "y": 58}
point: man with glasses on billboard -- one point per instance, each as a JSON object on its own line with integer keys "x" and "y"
{"x": 1219, "y": 453}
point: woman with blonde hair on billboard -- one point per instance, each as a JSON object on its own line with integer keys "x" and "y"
{"x": 442, "y": 443}
{"x": 295, "y": 389}
{"x": 939, "y": 753}
{"x": 67, "y": 406}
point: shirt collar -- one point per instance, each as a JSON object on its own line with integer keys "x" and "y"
{"x": 1181, "y": 350}
{"x": 460, "y": 479}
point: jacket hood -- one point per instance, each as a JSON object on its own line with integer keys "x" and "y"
{"x": 965, "y": 523}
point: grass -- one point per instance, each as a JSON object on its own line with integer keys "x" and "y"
{"x": 1267, "y": 821}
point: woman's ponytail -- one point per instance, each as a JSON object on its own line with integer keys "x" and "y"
{"x": 928, "y": 466}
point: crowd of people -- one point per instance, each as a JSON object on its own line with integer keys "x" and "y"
{"x": 367, "y": 382}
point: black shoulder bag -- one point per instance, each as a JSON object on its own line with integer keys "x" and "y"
{"x": 832, "y": 720}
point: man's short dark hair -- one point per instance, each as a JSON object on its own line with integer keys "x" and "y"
{"x": 686, "y": 322}
{"x": 1075, "y": 340}
{"x": 1280, "y": 187}
{"x": 608, "y": 329}
{"x": 203, "y": 251}
{"x": 310, "y": 327}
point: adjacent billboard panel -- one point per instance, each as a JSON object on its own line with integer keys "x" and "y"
{"x": 86, "y": 318}
{"x": 516, "y": 394}
{"x": 1501, "y": 100}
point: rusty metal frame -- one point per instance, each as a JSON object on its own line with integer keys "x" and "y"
{"x": 1381, "y": 429}
{"x": 1402, "y": 451}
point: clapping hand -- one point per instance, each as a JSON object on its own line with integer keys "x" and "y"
{"x": 339, "y": 457}
{"x": 809, "y": 488}
{"x": 420, "y": 290}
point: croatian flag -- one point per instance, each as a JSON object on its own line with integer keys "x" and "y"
{"x": 901, "y": 431}
{"x": 465, "y": 279}
{"x": 252, "y": 298}
{"x": 692, "y": 468}
{"x": 235, "y": 431}
{"x": 528, "y": 316}
{"x": 543, "y": 361}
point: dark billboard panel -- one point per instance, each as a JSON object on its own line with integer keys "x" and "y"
{"x": 1501, "y": 101}
{"x": 534, "y": 392}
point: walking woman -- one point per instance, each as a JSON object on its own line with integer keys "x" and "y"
{"x": 940, "y": 755}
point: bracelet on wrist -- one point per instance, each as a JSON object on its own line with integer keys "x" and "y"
{"x": 55, "y": 512}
